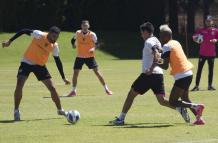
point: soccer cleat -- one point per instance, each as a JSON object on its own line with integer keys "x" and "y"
{"x": 16, "y": 115}
{"x": 199, "y": 121}
{"x": 183, "y": 111}
{"x": 196, "y": 88}
{"x": 199, "y": 110}
{"x": 62, "y": 112}
{"x": 109, "y": 92}
{"x": 211, "y": 88}
{"x": 117, "y": 122}
{"x": 72, "y": 93}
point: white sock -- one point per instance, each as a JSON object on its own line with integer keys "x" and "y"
{"x": 193, "y": 106}
{"x": 106, "y": 87}
{"x": 16, "y": 110}
{"x": 74, "y": 88}
{"x": 122, "y": 116}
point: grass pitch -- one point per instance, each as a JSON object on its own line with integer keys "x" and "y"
{"x": 146, "y": 122}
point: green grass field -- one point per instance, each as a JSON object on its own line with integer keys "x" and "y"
{"x": 147, "y": 122}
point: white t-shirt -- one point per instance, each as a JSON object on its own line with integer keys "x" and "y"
{"x": 148, "y": 57}
{"x": 38, "y": 34}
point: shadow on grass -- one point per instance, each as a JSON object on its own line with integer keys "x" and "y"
{"x": 142, "y": 125}
{"x": 30, "y": 120}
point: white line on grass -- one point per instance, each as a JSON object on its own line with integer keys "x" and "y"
{"x": 201, "y": 141}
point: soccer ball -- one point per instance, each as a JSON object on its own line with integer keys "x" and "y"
{"x": 199, "y": 38}
{"x": 73, "y": 116}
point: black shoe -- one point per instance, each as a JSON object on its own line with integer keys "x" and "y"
{"x": 196, "y": 88}
{"x": 211, "y": 88}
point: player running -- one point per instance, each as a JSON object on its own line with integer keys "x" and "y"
{"x": 207, "y": 51}
{"x": 181, "y": 69}
{"x": 150, "y": 78}
{"x": 34, "y": 60}
{"x": 85, "y": 41}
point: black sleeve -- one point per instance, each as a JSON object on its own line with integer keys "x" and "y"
{"x": 165, "y": 55}
{"x": 73, "y": 42}
{"x": 21, "y": 32}
{"x": 59, "y": 66}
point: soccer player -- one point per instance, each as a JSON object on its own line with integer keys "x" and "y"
{"x": 207, "y": 51}
{"x": 85, "y": 41}
{"x": 34, "y": 60}
{"x": 181, "y": 69}
{"x": 150, "y": 78}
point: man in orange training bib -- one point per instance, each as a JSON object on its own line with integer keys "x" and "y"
{"x": 85, "y": 42}
{"x": 34, "y": 60}
{"x": 181, "y": 69}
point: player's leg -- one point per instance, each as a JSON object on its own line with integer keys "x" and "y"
{"x": 199, "y": 119}
{"x": 180, "y": 89}
{"x": 76, "y": 70}
{"x": 18, "y": 96}
{"x": 127, "y": 105}
{"x": 210, "y": 75}
{"x": 102, "y": 81}
{"x": 198, "y": 76}
{"x": 43, "y": 75}
{"x": 54, "y": 95}
{"x": 92, "y": 64}
{"x": 158, "y": 89}
{"x": 139, "y": 86}
{"x": 23, "y": 73}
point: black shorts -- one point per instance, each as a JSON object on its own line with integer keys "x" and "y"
{"x": 184, "y": 83}
{"x": 144, "y": 82}
{"x": 40, "y": 72}
{"x": 90, "y": 63}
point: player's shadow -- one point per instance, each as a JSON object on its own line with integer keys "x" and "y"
{"x": 29, "y": 120}
{"x": 142, "y": 125}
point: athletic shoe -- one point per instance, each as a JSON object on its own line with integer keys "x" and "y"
{"x": 117, "y": 122}
{"x": 109, "y": 92}
{"x": 16, "y": 115}
{"x": 62, "y": 112}
{"x": 199, "y": 109}
{"x": 183, "y": 111}
{"x": 196, "y": 88}
{"x": 211, "y": 88}
{"x": 72, "y": 94}
{"x": 199, "y": 121}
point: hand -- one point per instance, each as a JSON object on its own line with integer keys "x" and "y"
{"x": 148, "y": 72}
{"x": 66, "y": 81}
{"x": 213, "y": 41}
{"x": 92, "y": 50}
{"x": 6, "y": 43}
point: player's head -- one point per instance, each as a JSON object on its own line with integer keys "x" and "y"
{"x": 85, "y": 25}
{"x": 165, "y": 33}
{"x": 147, "y": 30}
{"x": 53, "y": 34}
{"x": 209, "y": 22}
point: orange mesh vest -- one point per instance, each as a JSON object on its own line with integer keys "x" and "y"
{"x": 38, "y": 50}
{"x": 84, "y": 43}
{"x": 178, "y": 60}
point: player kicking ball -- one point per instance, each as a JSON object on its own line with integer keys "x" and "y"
{"x": 181, "y": 69}
{"x": 150, "y": 78}
{"x": 34, "y": 60}
{"x": 85, "y": 41}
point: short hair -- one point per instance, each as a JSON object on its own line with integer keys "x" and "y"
{"x": 85, "y": 22}
{"x": 147, "y": 27}
{"x": 55, "y": 29}
{"x": 165, "y": 28}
